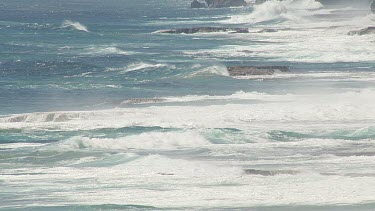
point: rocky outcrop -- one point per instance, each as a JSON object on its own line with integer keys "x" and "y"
{"x": 255, "y": 70}
{"x": 197, "y": 4}
{"x": 373, "y": 6}
{"x": 203, "y": 30}
{"x": 365, "y": 31}
{"x": 218, "y": 3}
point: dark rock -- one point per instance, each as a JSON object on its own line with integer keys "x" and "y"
{"x": 267, "y": 30}
{"x": 247, "y": 51}
{"x": 197, "y": 4}
{"x": 203, "y": 30}
{"x": 255, "y": 70}
{"x": 365, "y": 31}
{"x": 373, "y": 6}
{"x": 225, "y": 3}
{"x": 269, "y": 173}
{"x": 166, "y": 174}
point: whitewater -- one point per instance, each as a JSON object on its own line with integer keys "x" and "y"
{"x": 99, "y": 112}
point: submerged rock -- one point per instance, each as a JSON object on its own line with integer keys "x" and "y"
{"x": 203, "y": 30}
{"x": 218, "y": 3}
{"x": 368, "y": 30}
{"x": 197, "y": 4}
{"x": 255, "y": 70}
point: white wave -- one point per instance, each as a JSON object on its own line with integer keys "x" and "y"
{"x": 350, "y": 107}
{"x": 139, "y": 66}
{"x": 274, "y": 9}
{"x": 240, "y": 95}
{"x": 161, "y": 181}
{"x": 75, "y": 25}
{"x": 149, "y": 141}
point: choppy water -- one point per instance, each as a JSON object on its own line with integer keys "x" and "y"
{"x": 72, "y": 136}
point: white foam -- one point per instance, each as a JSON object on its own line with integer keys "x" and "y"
{"x": 320, "y": 45}
{"x": 20, "y": 145}
{"x": 75, "y": 25}
{"x": 163, "y": 182}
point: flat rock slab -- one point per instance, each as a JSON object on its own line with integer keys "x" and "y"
{"x": 195, "y": 30}
{"x": 256, "y": 70}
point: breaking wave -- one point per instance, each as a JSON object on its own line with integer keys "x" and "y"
{"x": 274, "y": 9}
{"x": 150, "y": 141}
{"x": 139, "y": 66}
{"x": 351, "y": 107}
{"x": 74, "y": 25}
{"x": 211, "y": 70}
{"x": 105, "y": 50}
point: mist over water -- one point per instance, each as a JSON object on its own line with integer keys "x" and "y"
{"x": 99, "y": 112}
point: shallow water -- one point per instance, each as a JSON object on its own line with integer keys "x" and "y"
{"x": 99, "y": 112}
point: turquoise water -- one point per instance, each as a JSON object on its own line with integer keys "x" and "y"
{"x": 73, "y": 137}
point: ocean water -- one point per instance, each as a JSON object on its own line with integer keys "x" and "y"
{"x": 98, "y": 112}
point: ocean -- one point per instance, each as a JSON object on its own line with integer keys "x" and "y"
{"x": 99, "y": 111}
